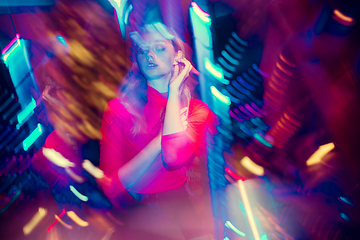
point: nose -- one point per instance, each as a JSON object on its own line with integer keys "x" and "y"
{"x": 149, "y": 55}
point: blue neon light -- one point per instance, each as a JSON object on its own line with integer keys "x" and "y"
{"x": 220, "y": 96}
{"x": 26, "y": 113}
{"x": 215, "y": 71}
{"x": 32, "y": 137}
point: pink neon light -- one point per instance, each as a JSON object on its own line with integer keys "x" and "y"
{"x": 245, "y": 111}
{"x": 258, "y": 109}
{"x": 235, "y": 117}
{"x": 60, "y": 216}
{"x": 10, "y": 44}
{"x": 247, "y": 106}
{"x": 233, "y": 175}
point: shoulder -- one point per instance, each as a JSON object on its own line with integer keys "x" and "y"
{"x": 199, "y": 108}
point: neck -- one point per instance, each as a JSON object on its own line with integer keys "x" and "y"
{"x": 160, "y": 84}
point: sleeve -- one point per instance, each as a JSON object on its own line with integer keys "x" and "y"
{"x": 178, "y": 147}
{"x": 111, "y": 147}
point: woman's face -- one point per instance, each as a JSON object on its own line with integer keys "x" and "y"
{"x": 155, "y": 56}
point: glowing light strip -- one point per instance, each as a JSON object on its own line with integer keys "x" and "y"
{"x": 244, "y": 83}
{"x": 320, "y": 153}
{"x": 236, "y": 46}
{"x": 233, "y": 115}
{"x": 220, "y": 96}
{"x": 288, "y": 124}
{"x": 76, "y": 219}
{"x": 258, "y": 109}
{"x": 250, "y": 109}
{"x": 235, "y": 92}
{"x": 286, "y": 61}
{"x": 57, "y": 158}
{"x": 342, "y": 18}
{"x": 232, "y": 51}
{"x": 4, "y": 51}
{"x": 278, "y": 90}
{"x": 277, "y": 74}
{"x": 239, "y": 39}
{"x": 260, "y": 71}
{"x": 283, "y": 69}
{"x": 12, "y": 49}
{"x": 258, "y": 137}
{"x": 230, "y": 95}
{"x": 215, "y": 71}
{"x": 60, "y": 216}
{"x": 32, "y": 137}
{"x": 230, "y": 58}
{"x": 226, "y": 65}
{"x": 248, "y": 210}
{"x": 90, "y": 168}
{"x": 62, "y": 222}
{"x": 264, "y": 237}
{"x": 293, "y": 121}
{"x": 127, "y": 13}
{"x": 252, "y": 167}
{"x": 35, "y": 220}
{"x": 78, "y": 195}
{"x": 229, "y": 225}
{"x": 26, "y": 112}
{"x": 204, "y": 16}
{"x": 343, "y": 199}
{"x": 233, "y": 174}
{"x": 62, "y": 41}
{"x": 277, "y": 82}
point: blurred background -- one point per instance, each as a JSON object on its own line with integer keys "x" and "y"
{"x": 281, "y": 75}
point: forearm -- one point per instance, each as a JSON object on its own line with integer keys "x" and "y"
{"x": 172, "y": 121}
{"x": 133, "y": 170}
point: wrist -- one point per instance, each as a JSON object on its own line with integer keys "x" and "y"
{"x": 174, "y": 94}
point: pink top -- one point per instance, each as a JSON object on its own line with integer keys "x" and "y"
{"x": 118, "y": 145}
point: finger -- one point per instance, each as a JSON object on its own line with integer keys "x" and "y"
{"x": 176, "y": 71}
{"x": 184, "y": 111}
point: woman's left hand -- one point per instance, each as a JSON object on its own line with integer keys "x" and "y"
{"x": 179, "y": 76}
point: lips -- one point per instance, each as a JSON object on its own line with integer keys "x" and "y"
{"x": 152, "y": 65}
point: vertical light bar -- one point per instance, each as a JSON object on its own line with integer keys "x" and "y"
{"x": 10, "y": 44}
{"x": 248, "y": 209}
{"x": 215, "y": 71}
{"x": 26, "y": 113}
{"x": 32, "y": 137}
{"x": 204, "y": 16}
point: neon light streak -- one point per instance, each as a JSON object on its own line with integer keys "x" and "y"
{"x": 35, "y": 220}
{"x": 260, "y": 71}
{"x": 204, "y": 16}
{"x": 258, "y": 137}
{"x": 252, "y": 167}
{"x": 13, "y": 47}
{"x": 62, "y": 41}
{"x": 220, "y": 96}
{"x": 244, "y": 83}
{"x": 347, "y": 201}
{"x": 229, "y": 225}
{"x": 76, "y": 219}
{"x": 258, "y": 109}
{"x": 57, "y": 158}
{"x": 32, "y": 137}
{"x": 288, "y": 124}
{"x": 248, "y": 209}
{"x": 296, "y": 123}
{"x": 278, "y": 90}
{"x": 4, "y": 51}
{"x": 94, "y": 171}
{"x": 226, "y": 238}
{"x": 232, "y": 98}
{"x": 60, "y": 216}
{"x": 239, "y": 39}
{"x": 233, "y": 174}
{"x": 277, "y": 74}
{"x": 250, "y": 109}
{"x": 320, "y": 153}
{"x": 234, "y": 92}
{"x": 236, "y": 46}
{"x": 287, "y": 72}
{"x": 226, "y": 65}
{"x": 215, "y": 71}
{"x": 342, "y": 18}
{"x": 62, "y": 222}
{"x": 232, "y": 51}
{"x": 127, "y": 13}
{"x": 286, "y": 61}
{"x": 229, "y": 58}
{"x": 239, "y": 87}
{"x": 345, "y": 217}
{"x": 78, "y": 195}
{"x": 233, "y": 115}
{"x": 26, "y": 113}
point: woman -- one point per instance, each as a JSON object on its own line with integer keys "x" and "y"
{"x": 153, "y": 130}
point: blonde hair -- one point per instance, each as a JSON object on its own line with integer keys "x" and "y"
{"x": 133, "y": 91}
